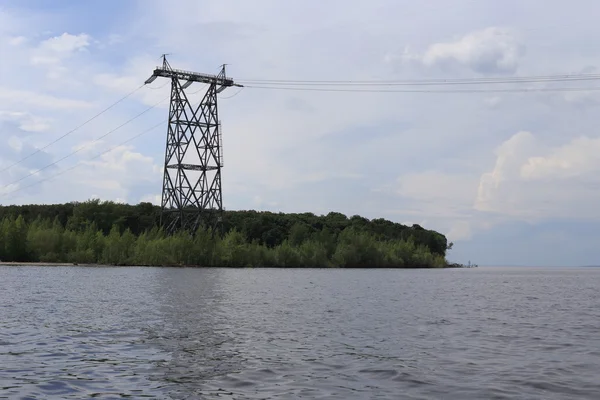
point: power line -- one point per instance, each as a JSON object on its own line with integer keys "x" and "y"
{"x": 93, "y": 158}
{"x": 439, "y": 81}
{"x": 233, "y": 95}
{"x": 82, "y": 162}
{"x": 74, "y": 129}
{"x": 516, "y": 90}
{"x": 337, "y": 86}
{"x": 202, "y": 87}
{"x": 88, "y": 144}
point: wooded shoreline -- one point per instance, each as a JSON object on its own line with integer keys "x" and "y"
{"x": 107, "y": 233}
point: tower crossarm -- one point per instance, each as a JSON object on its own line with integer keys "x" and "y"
{"x": 191, "y": 77}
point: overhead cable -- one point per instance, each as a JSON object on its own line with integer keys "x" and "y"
{"x": 73, "y": 130}
{"x": 88, "y": 144}
{"x": 83, "y": 162}
{"x": 428, "y": 82}
{"x": 515, "y": 90}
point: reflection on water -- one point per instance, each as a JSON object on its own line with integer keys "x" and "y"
{"x": 395, "y": 334}
{"x": 194, "y": 330}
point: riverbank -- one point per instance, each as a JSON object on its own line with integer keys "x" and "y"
{"x": 41, "y": 264}
{"x": 58, "y": 264}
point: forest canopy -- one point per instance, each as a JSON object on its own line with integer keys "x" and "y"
{"x": 96, "y": 232}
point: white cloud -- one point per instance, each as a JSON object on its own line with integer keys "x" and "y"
{"x": 156, "y": 95}
{"x": 17, "y": 40}
{"x": 322, "y": 176}
{"x": 489, "y": 51}
{"x": 122, "y": 158}
{"x": 582, "y": 99}
{"x": 55, "y": 49}
{"x": 530, "y": 181}
{"x": 508, "y": 156}
{"x": 36, "y": 99}
{"x": 15, "y": 143}
{"x": 66, "y": 43}
{"x": 134, "y": 73}
{"x": 26, "y": 121}
{"x": 440, "y": 200}
{"x": 461, "y": 230}
{"x": 434, "y": 185}
{"x": 577, "y": 158}
{"x": 117, "y": 175}
{"x": 118, "y": 83}
{"x": 533, "y": 181}
{"x": 88, "y": 146}
{"x": 115, "y": 39}
{"x": 493, "y": 101}
{"x": 6, "y": 190}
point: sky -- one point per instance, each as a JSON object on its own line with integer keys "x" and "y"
{"x": 509, "y": 178}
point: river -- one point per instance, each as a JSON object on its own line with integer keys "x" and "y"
{"x": 169, "y": 333}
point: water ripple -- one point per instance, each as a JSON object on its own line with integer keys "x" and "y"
{"x": 283, "y": 334}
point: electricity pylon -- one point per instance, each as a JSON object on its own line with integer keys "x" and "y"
{"x": 191, "y": 192}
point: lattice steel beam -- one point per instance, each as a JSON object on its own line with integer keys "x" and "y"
{"x": 192, "y": 194}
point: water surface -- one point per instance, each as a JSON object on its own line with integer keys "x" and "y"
{"x": 485, "y": 333}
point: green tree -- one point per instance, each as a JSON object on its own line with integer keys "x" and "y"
{"x": 299, "y": 233}
{"x": 15, "y": 239}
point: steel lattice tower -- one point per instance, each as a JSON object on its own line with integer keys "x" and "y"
{"x": 191, "y": 192}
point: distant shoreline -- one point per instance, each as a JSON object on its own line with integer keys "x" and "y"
{"x": 50, "y": 264}
{"x": 40, "y": 264}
